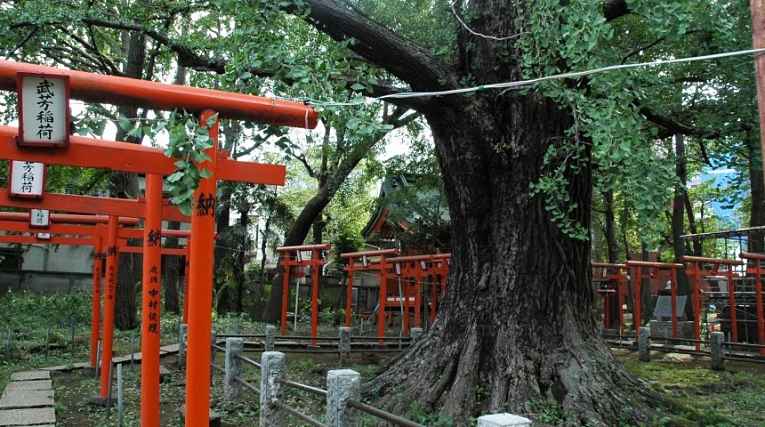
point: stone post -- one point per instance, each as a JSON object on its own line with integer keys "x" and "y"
{"x": 416, "y": 334}
{"x": 644, "y": 344}
{"x": 233, "y": 367}
{"x": 503, "y": 420}
{"x": 342, "y": 385}
{"x": 270, "y": 338}
{"x": 344, "y": 342}
{"x": 717, "y": 350}
{"x": 213, "y": 341}
{"x": 273, "y": 365}
{"x": 182, "y": 334}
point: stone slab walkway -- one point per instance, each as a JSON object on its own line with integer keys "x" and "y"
{"x": 28, "y": 400}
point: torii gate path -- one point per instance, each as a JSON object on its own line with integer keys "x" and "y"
{"x": 84, "y": 235}
{"x": 86, "y": 152}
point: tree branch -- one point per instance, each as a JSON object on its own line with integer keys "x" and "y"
{"x": 377, "y": 44}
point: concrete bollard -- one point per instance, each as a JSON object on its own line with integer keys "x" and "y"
{"x": 644, "y": 344}
{"x": 213, "y": 342}
{"x": 717, "y": 350}
{"x": 233, "y": 368}
{"x": 342, "y": 385}
{"x": 270, "y": 343}
{"x": 503, "y": 420}
{"x": 344, "y": 341}
{"x": 416, "y": 334}
{"x": 273, "y": 366}
{"x": 183, "y": 331}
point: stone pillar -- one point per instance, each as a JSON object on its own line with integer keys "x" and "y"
{"x": 270, "y": 338}
{"x": 182, "y": 334}
{"x": 233, "y": 367}
{"x": 503, "y": 420}
{"x": 416, "y": 334}
{"x": 717, "y": 350}
{"x": 344, "y": 342}
{"x": 342, "y": 385}
{"x": 213, "y": 341}
{"x": 644, "y": 344}
{"x": 273, "y": 365}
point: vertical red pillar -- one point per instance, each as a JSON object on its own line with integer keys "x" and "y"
{"x": 696, "y": 301}
{"x": 417, "y": 294}
{"x": 285, "y": 291}
{"x": 405, "y": 300}
{"x": 620, "y": 299}
{"x": 759, "y": 304}
{"x": 95, "y": 318}
{"x": 150, "y": 295}
{"x": 732, "y": 305}
{"x": 112, "y": 264}
{"x": 315, "y": 267}
{"x": 383, "y": 298}
{"x": 673, "y": 285}
{"x": 433, "y": 293}
{"x": 200, "y": 287}
{"x": 636, "y": 315}
{"x": 186, "y": 281}
{"x": 349, "y": 295}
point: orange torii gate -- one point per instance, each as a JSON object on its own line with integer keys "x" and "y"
{"x": 82, "y": 235}
{"x": 755, "y": 269}
{"x": 86, "y": 152}
{"x": 612, "y": 279}
{"x": 380, "y": 264}
{"x": 290, "y": 257}
{"x": 696, "y": 272}
{"x": 637, "y": 277}
{"x": 413, "y": 269}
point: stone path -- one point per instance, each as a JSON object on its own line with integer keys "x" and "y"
{"x": 165, "y": 350}
{"x": 28, "y": 400}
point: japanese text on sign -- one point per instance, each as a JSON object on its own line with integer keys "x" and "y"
{"x": 27, "y": 178}
{"x": 153, "y": 303}
{"x": 39, "y": 217}
{"x": 44, "y": 107}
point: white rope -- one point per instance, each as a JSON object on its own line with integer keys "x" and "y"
{"x": 475, "y": 33}
{"x": 523, "y": 83}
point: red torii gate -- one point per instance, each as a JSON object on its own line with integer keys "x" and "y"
{"x": 381, "y": 265}
{"x": 80, "y": 235}
{"x": 607, "y": 274}
{"x": 290, "y": 258}
{"x": 413, "y": 269}
{"x": 132, "y": 158}
{"x": 755, "y": 269}
{"x": 637, "y": 277}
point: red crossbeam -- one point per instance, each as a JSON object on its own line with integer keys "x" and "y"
{"x": 93, "y": 87}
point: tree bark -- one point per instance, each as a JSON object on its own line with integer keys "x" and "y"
{"x": 612, "y": 246}
{"x": 517, "y": 324}
{"x": 678, "y": 204}
{"x": 125, "y": 185}
{"x": 757, "y": 210}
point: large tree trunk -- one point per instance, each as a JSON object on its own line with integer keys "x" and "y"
{"x": 517, "y": 323}
{"x": 678, "y": 222}
{"x": 125, "y": 185}
{"x": 612, "y": 246}
{"x": 757, "y": 210}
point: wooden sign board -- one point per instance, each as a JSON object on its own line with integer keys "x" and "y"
{"x": 39, "y": 218}
{"x": 43, "y": 107}
{"x": 27, "y": 179}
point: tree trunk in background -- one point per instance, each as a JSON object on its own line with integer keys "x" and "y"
{"x": 678, "y": 204}
{"x": 516, "y": 325}
{"x": 172, "y": 270}
{"x": 612, "y": 245}
{"x": 125, "y": 185}
{"x": 757, "y": 210}
{"x": 173, "y": 267}
{"x": 240, "y": 274}
{"x": 517, "y": 322}
{"x": 223, "y": 252}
